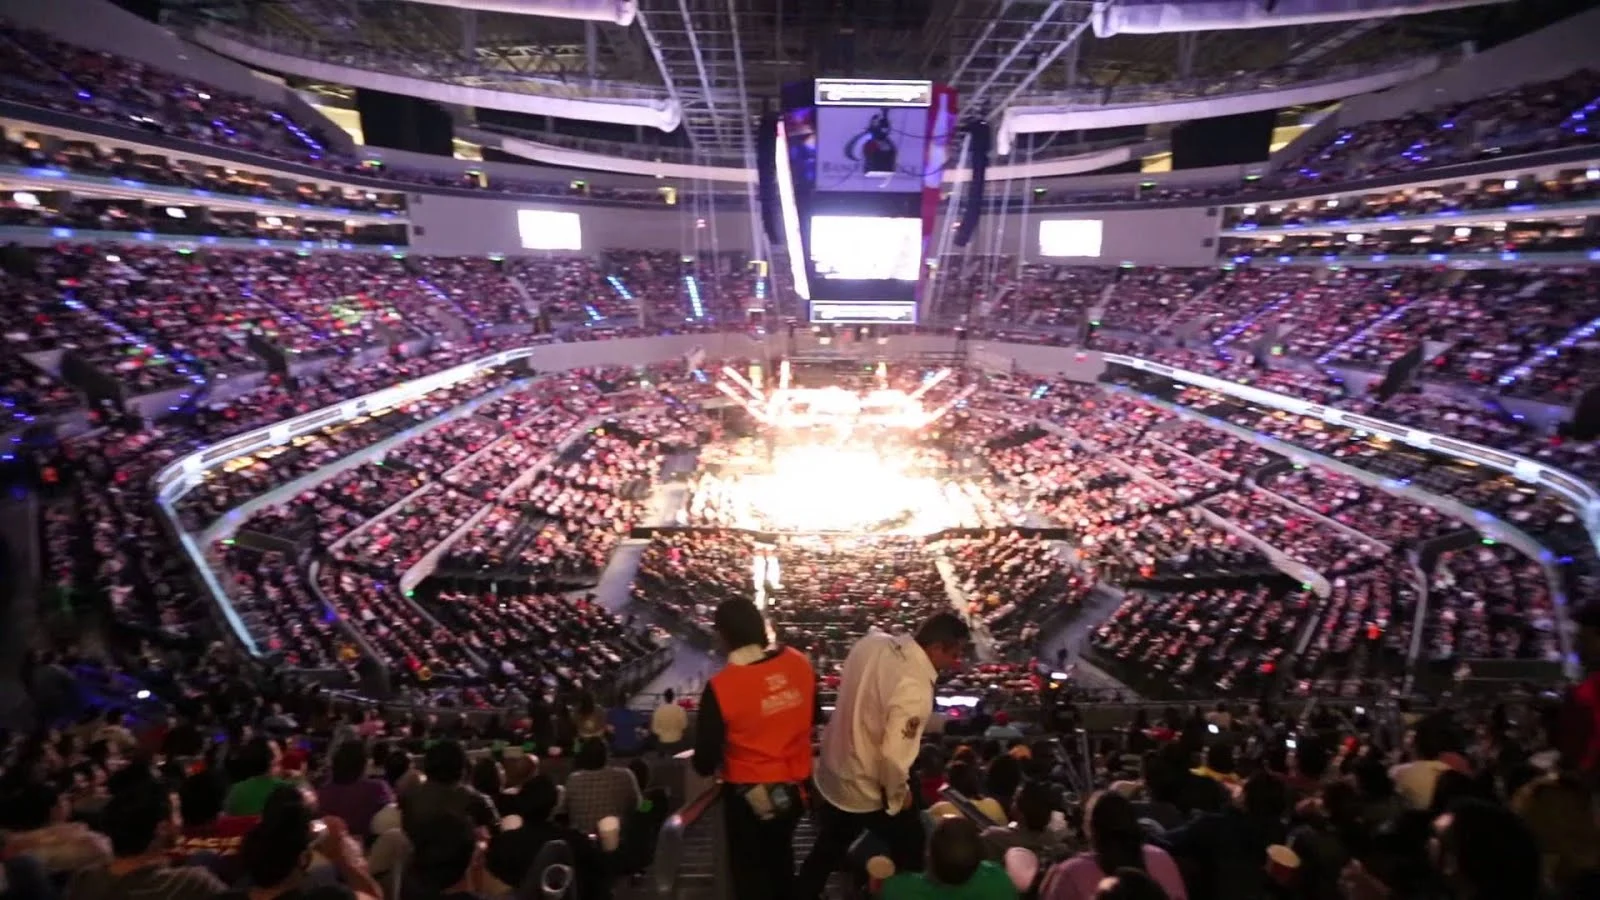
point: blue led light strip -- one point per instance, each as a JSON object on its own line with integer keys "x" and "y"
{"x": 1550, "y": 351}
{"x": 442, "y": 295}
{"x": 1354, "y": 339}
{"x": 694, "y": 296}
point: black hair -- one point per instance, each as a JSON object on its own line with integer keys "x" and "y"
{"x": 287, "y": 800}
{"x": 1265, "y": 796}
{"x": 274, "y": 851}
{"x": 954, "y": 851}
{"x": 591, "y": 754}
{"x": 1311, "y": 757}
{"x": 201, "y": 797}
{"x": 134, "y": 815}
{"x": 1115, "y": 835}
{"x": 445, "y": 762}
{"x": 963, "y": 776}
{"x": 443, "y": 845}
{"x": 349, "y": 762}
{"x": 28, "y": 805}
{"x": 1372, "y": 778}
{"x": 945, "y": 629}
{"x": 739, "y": 623}
{"x": 396, "y": 765}
{"x": 1449, "y": 788}
{"x": 668, "y": 695}
{"x": 487, "y": 778}
{"x": 641, "y": 772}
{"x": 1495, "y": 854}
{"x": 1003, "y": 776}
{"x": 1034, "y": 804}
{"x": 1219, "y": 758}
{"x": 255, "y": 757}
{"x": 537, "y": 799}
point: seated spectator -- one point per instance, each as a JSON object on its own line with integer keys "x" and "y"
{"x": 1486, "y": 851}
{"x": 1224, "y": 854}
{"x": 596, "y": 790}
{"x": 511, "y": 852}
{"x": 277, "y": 859}
{"x": 1116, "y": 841}
{"x": 446, "y": 861}
{"x": 33, "y": 816}
{"x": 965, "y": 778}
{"x": 1030, "y": 829}
{"x": 350, "y": 794}
{"x": 445, "y": 765}
{"x": 957, "y": 869}
{"x": 210, "y": 838}
{"x": 256, "y": 767}
{"x": 142, "y": 825}
{"x": 1559, "y": 810}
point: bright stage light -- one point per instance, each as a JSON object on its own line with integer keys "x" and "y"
{"x": 842, "y": 488}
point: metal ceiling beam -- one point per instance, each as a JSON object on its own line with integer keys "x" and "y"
{"x": 1033, "y": 30}
{"x": 972, "y": 51}
{"x": 1322, "y": 48}
{"x": 700, "y": 66}
{"x": 666, "y": 73}
{"x": 1046, "y": 61}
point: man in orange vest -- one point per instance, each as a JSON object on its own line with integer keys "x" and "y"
{"x": 754, "y": 728}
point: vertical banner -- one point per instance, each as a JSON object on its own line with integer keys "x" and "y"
{"x": 935, "y": 160}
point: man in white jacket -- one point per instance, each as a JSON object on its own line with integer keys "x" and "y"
{"x": 863, "y": 775}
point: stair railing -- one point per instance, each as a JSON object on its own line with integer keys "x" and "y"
{"x": 671, "y": 840}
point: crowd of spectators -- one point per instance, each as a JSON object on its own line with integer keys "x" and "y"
{"x": 1511, "y": 194}
{"x": 112, "y": 160}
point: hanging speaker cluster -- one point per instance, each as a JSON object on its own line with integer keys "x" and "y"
{"x": 767, "y": 178}
{"x": 977, "y": 130}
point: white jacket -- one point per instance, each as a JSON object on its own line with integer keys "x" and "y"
{"x": 868, "y": 746}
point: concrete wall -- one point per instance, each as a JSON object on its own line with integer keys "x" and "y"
{"x": 466, "y": 226}
{"x": 463, "y": 226}
{"x": 1549, "y": 53}
{"x": 1158, "y": 237}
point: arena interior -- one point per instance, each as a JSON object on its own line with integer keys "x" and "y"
{"x": 426, "y": 372}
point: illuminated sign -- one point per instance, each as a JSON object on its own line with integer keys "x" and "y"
{"x": 873, "y": 92}
{"x": 865, "y": 312}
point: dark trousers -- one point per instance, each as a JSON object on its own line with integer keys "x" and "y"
{"x": 902, "y": 835}
{"x": 760, "y": 852}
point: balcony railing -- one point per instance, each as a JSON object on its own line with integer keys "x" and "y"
{"x": 1239, "y": 83}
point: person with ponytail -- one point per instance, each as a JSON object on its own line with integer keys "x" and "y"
{"x": 1116, "y": 842}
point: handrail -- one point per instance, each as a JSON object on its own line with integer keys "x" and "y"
{"x": 669, "y": 841}
{"x": 966, "y": 807}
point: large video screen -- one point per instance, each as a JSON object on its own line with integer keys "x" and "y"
{"x": 1070, "y": 237}
{"x": 866, "y": 248}
{"x": 545, "y": 229}
{"x": 861, "y": 148}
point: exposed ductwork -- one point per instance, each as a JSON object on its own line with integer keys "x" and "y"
{"x": 617, "y": 12}
{"x": 1167, "y": 16}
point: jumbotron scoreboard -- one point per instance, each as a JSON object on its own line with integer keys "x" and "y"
{"x": 859, "y": 166}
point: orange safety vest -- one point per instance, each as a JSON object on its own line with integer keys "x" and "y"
{"x": 766, "y": 711}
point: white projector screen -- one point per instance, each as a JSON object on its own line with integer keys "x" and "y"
{"x": 1070, "y": 237}
{"x": 866, "y": 248}
{"x": 543, "y": 229}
